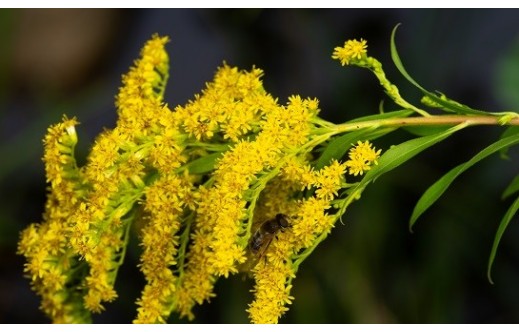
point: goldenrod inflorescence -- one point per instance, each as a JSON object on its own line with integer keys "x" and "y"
{"x": 352, "y": 50}
{"x": 194, "y": 182}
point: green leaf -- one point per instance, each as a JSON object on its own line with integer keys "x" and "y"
{"x": 434, "y": 192}
{"x": 512, "y": 130}
{"x": 393, "y": 158}
{"x": 512, "y": 188}
{"x": 448, "y": 104}
{"x": 425, "y": 130}
{"x": 338, "y": 146}
{"x": 401, "y": 153}
{"x": 203, "y": 164}
{"x": 499, "y": 234}
{"x": 398, "y": 63}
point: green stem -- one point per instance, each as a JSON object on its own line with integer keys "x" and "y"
{"x": 257, "y": 188}
{"x": 184, "y": 239}
{"x": 128, "y": 225}
{"x": 433, "y": 120}
{"x": 355, "y": 191}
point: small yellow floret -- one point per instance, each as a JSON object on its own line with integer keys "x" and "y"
{"x": 362, "y": 156}
{"x": 352, "y": 50}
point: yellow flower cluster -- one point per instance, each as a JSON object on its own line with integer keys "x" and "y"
{"x": 195, "y": 223}
{"x": 50, "y": 262}
{"x": 362, "y": 156}
{"x": 308, "y": 221}
{"x": 352, "y": 50}
{"x": 231, "y": 105}
{"x": 217, "y": 248}
{"x": 165, "y": 201}
{"x": 116, "y": 171}
{"x": 139, "y": 101}
{"x": 88, "y": 210}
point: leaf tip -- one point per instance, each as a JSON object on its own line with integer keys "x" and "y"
{"x": 489, "y": 276}
{"x": 411, "y": 224}
{"x": 394, "y": 30}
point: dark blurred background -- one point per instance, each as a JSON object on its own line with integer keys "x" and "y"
{"x": 369, "y": 270}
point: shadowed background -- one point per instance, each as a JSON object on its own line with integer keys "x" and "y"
{"x": 369, "y": 270}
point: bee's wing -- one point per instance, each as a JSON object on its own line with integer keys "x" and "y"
{"x": 255, "y": 258}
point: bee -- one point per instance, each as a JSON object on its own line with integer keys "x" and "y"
{"x": 263, "y": 236}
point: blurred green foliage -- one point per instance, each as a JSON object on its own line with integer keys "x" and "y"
{"x": 507, "y": 78}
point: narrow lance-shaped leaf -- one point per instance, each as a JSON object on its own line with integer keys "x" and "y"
{"x": 426, "y": 130}
{"x": 398, "y": 62}
{"x": 512, "y": 188}
{"x": 401, "y": 153}
{"x": 338, "y": 146}
{"x": 512, "y": 130}
{"x": 393, "y": 158}
{"x": 434, "y": 192}
{"x": 499, "y": 234}
{"x": 445, "y": 102}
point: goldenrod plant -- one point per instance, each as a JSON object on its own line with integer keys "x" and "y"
{"x": 232, "y": 182}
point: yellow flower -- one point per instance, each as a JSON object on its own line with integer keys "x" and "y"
{"x": 231, "y": 104}
{"x": 160, "y": 243}
{"x": 362, "y": 156}
{"x": 60, "y": 163}
{"x": 308, "y": 220}
{"x": 271, "y": 293}
{"x": 117, "y": 168}
{"x": 351, "y": 51}
{"x": 139, "y": 99}
{"x": 329, "y": 179}
{"x": 217, "y": 247}
{"x": 50, "y": 261}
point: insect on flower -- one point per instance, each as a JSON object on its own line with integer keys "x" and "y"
{"x": 263, "y": 236}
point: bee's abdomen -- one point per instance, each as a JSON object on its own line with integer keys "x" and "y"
{"x": 256, "y": 242}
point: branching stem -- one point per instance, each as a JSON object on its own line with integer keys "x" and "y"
{"x": 433, "y": 120}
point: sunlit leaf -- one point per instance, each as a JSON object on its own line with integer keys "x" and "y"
{"x": 401, "y": 153}
{"x": 393, "y": 158}
{"x": 398, "y": 63}
{"x": 434, "y": 192}
{"x": 338, "y": 146}
{"x": 448, "y": 104}
{"x": 426, "y": 130}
